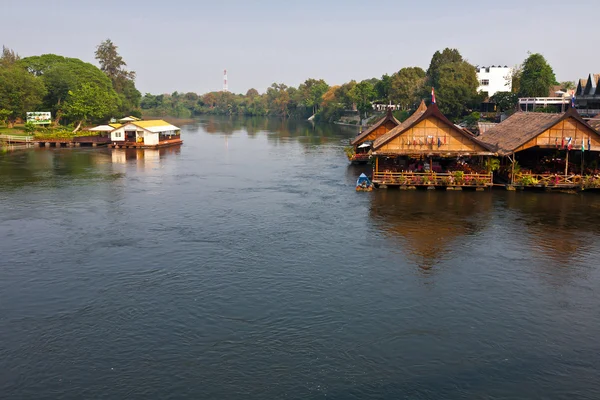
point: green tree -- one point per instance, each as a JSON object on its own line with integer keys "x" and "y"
{"x": 407, "y": 86}
{"x": 113, "y": 65}
{"x": 20, "y": 92}
{"x": 383, "y": 88}
{"x": 568, "y": 85}
{"x": 89, "y": 102}
{"x": 4, "y": 114}
{"x": 537, "y": 77}
{"x": 457, "y": 88}
{"x": 62, "y": 75}
{"x": 8, "y": 57}
{"x": 363, "y": 94}
{"x": 439, "y": 59}
{"x": 311, "y": 93}
{"x": 505, "y": 100}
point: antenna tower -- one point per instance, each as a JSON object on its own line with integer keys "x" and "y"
{"x": 225, "y": 88}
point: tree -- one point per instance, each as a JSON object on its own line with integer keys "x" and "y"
{"x": 62, "y": 75}
{"x": 515, "y": 78}
{"x": 278, "y": 98}
{"x": 113, "y": 65}
{"x": 447, "y": 56}
{"x": 568, "y": 85}
{"x": 407, "y": 86}
{"x": 311, "y": 93}
{"x": 537, "y": 77}
{"x": 362, "y": 94}
{"x": 20, "y": 92}
{"x": 89, "y": 101}
{"x": 457, "y": 88}
{"x": 252, "y": 93}
{"x": 505, "y": 100}
{"x": 383, "y": 88}
{"x": 4, "y": 114}
{"x": 343, "y": 95}
{"x": 8, "y": 57}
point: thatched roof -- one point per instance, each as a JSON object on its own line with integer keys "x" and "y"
{"x": 594, "y": 123}
{"x": 401, "y": 127}
{"x": 590, "y": 87}
{"x": 521, "y": 127}
{"x": 382, "y": 121}
{"x": 581, "y": 87}
{"x": 417, "y": 117}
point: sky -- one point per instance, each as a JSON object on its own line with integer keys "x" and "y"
{"x": 184, "y": 45}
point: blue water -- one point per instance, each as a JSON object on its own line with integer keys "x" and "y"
{"x": 243, "y": 265}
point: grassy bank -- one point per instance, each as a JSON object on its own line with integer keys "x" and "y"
{"x": 17, "y": 130}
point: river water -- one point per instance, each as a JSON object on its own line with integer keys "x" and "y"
{"x": 243, "y": 265}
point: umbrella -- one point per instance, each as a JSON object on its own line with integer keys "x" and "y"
{"x": 364, "y": 145}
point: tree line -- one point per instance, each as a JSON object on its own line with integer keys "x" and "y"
{"x": 454, "y": 79}
{"x": 77, "y": 92}
{"x": 74, "y": 91}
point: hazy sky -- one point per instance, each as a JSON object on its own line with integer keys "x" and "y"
{"x": 184, "y": 45}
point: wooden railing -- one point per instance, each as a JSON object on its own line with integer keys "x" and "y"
{"x": 542, "y": 180}
{"x": 16, "y": 139}
{"x": 433, "y": 179}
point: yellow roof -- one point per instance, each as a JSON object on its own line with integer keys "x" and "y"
{"x": 116, "y": 126}
{"x": 150, "y": 123}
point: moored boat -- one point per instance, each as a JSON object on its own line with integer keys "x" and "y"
{"x": 363, "y": 184}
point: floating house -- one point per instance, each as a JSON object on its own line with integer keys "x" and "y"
{"x": 362, "y": 143}
{"x": 429, "y": 150}
{"x": 145, "y": 134}
{"x": 546, "y": 150}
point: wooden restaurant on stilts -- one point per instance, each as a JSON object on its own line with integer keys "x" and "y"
{"x": 429, "y": 150}
{"x": 360, "y": 150}
{"x": 546, "y": 150}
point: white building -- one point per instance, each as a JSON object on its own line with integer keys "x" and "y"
{"x": 152, "y": 133}
{"x": 494, "y": 79}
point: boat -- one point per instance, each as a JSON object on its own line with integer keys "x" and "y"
{"x": 363, "y": 184}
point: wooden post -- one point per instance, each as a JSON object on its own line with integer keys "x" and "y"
{"x": 376, "y": 164}
{"x": 567, "y": 164}
{"x": 512, "y": 174}
{"x": 582, "y": 152}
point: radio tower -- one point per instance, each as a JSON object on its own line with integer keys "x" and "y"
{"x": 225, "y": 89}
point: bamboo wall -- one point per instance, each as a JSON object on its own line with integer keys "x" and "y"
{"x": 568, "y": 128}
{"x": 423, "y": 138}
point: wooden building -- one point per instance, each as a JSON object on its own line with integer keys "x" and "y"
{"x": 362, "y": 143}
{"x": 547, "y": 150}
{"x": 429, "y": 150}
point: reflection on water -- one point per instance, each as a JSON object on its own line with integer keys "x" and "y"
{"x": 243, "y": 264}
{"x": 144, "y": 157}
{"x": 429, "y": 224}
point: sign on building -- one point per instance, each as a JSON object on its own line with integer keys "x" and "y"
{"x": 39, "y": 117}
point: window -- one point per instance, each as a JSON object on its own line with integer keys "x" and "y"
{"x": 117, "y": 134}
{"x": 485, "y": 82}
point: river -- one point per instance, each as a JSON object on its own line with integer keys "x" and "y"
{"x": 243, "y": 265}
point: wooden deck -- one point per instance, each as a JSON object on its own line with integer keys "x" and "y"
{"x": 75, "y": 141}
{"x": 433, "y": 179}
{"x": 135, "y": 145}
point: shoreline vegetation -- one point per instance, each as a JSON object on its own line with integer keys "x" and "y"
{"x": 80, "y": 94}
